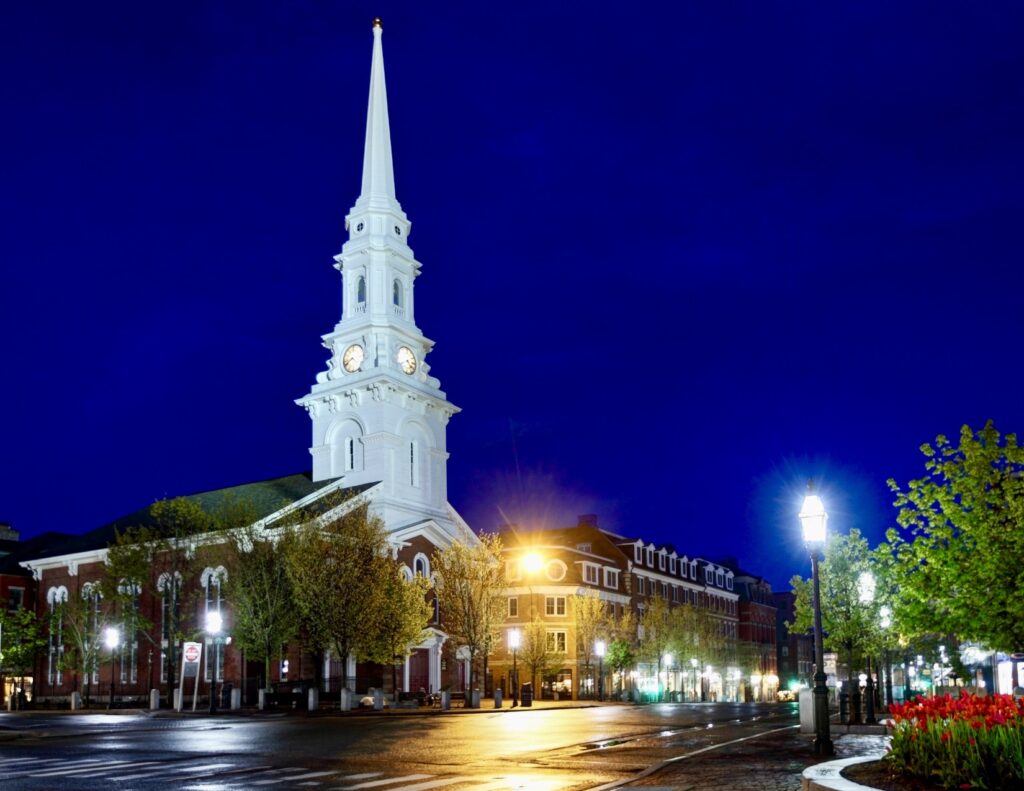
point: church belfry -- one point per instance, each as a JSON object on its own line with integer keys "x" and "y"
{"x": 378, "y": 415}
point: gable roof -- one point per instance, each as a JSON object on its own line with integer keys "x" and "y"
{"x": 265, "y": 497}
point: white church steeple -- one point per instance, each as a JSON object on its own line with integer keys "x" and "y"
{"x": 378, "y": 415}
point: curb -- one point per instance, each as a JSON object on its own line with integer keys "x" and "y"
{"x": 827, "y": 777}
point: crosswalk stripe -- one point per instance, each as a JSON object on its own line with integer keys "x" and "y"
{"x": 162, "y": 770}
{"x": 363, "y": 776}
{"x": 387, "y": 781}
{"x": 107, "y": 765}
{"x": 10, "y": 761}
{"x": 290, "y": 778}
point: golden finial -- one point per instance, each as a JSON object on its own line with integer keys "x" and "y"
{"x": 378, "y": 23}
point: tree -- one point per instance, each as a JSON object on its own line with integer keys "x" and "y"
{"x": 334, "y": 566}
{"x": 23, "y": 640}
{"x": 401, "y": 619}
{"x": 958, "y": 555}
{"x": 178, "y": 525}
{"x": 590, "y": 614}
{"x": 471, "y": 592}
{"x": 620, "y": 657}
{"x": 84, "y": 621}
{"x": 261, "y": 594}
{"x": 535, "y": 651}
{"x": 850, "y": 623}
{"x": 656, "y": 624}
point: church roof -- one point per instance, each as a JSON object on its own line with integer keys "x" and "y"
{"x": 264, "y": 497}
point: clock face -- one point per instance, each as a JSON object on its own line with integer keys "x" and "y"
{"x": 407, "y": 360}
{"x": 352, "y": 358}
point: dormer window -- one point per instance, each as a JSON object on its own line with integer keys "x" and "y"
{"x": 672, "y": 565}
{"x": 650, "y": 556}
{"x": 661, "y": 560}
{"x": 637, "y": 556}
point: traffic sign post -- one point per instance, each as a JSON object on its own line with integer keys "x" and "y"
{"x": 191, "y": 654}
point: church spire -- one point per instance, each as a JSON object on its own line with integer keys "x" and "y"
{"x": 378, "y": 190}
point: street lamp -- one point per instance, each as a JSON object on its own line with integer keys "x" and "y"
{"x": 814, "y": 520}
{"x": 513, "y": 643}
{"x": 599, "y": 649}
{"x": 214, "y": 623}
{"x": 111, "y": 639}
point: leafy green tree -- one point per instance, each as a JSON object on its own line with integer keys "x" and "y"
{"x": 84, "y": 620}
{"x": 333, "y": 562}
{"x": 24, "y": 639}
{"x": 471, "y": 592}
{"x": 620, "y": 658}
{"x": 535, "y": 652}
{"x": 260, "y": 591}
{"x": 850, "y": 621}
{"x": 590, "y": 617}
{"x": 401, "y": 618}
{"x": 958, "y": 555}
{"x": 656, "y": 630}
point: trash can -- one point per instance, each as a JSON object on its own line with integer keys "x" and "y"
{"x": 526, "y": 695}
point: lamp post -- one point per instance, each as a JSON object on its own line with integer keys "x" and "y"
{"x": 513, "y": 643}
{"x": 885, "y": 621}
{"x": 214, "y": 622}
{"x": 667, "y": 659}
{"x": 599, "y": 649}
{"x": 814, "y": 520}
{"x": 111, "y": 638}
{"x": 695, "y": 664}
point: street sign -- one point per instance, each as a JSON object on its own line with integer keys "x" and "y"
{"x": 190, "y": 655}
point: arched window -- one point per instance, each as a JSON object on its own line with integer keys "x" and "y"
{"x": 361, "y": 290}
{"x": 212, "y": 581}
{"x": 55, "y": 597}
{"x": 169, "y": 586}
{"x": 93, "y": 600}
{"x": 421, "y": 565}
{"x": 396, "y": 293}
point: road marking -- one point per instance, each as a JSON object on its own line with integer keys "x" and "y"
{"x": 363, "y": 775}
{"x": 435, "y": 784}
{"x": 385, "y": 782}
{"x": 615, "y": 784}
{"x": 135, "y": 765}
{"x": 93, "y": 766}
{"x": 275, "y": 780}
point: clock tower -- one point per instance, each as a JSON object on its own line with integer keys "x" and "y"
{"x": 378, "y": 415}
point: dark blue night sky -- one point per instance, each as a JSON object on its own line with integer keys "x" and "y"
{"x": 676, "y": 260}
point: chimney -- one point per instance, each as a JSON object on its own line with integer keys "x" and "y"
{"x": 8, "y": 533}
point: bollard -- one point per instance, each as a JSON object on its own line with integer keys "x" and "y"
{"x": 474, "y": 699}
{"x": 446, "y": 700}
{"x": 345, "y": 704}
{"x": 236, "y": 699}
{"x": 378, "y": 700}
{"x": 261, "y": 701}
{"x": 76, "y": 701}
{"x": 497, "y": 698}
{"x": 313, "y": 702}
{"x": 154, "y": 699}
{"x": 179, "y": 695}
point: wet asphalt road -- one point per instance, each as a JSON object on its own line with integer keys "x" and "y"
{"x": 558, "y": 749}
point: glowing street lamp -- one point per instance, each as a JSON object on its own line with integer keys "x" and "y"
{"x": 814, "y": 520}
{"x": 513, "y": 643}
{"x": 599, "y": 649}
{"x": 111, "y": 639}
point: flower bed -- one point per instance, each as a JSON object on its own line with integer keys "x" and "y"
{"x": 971, "y": 741}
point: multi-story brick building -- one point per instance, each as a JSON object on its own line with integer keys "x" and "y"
{"x": 795, "y": 650}
{"x": 757, "y": 635}
{"x": 626, "y": 574}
